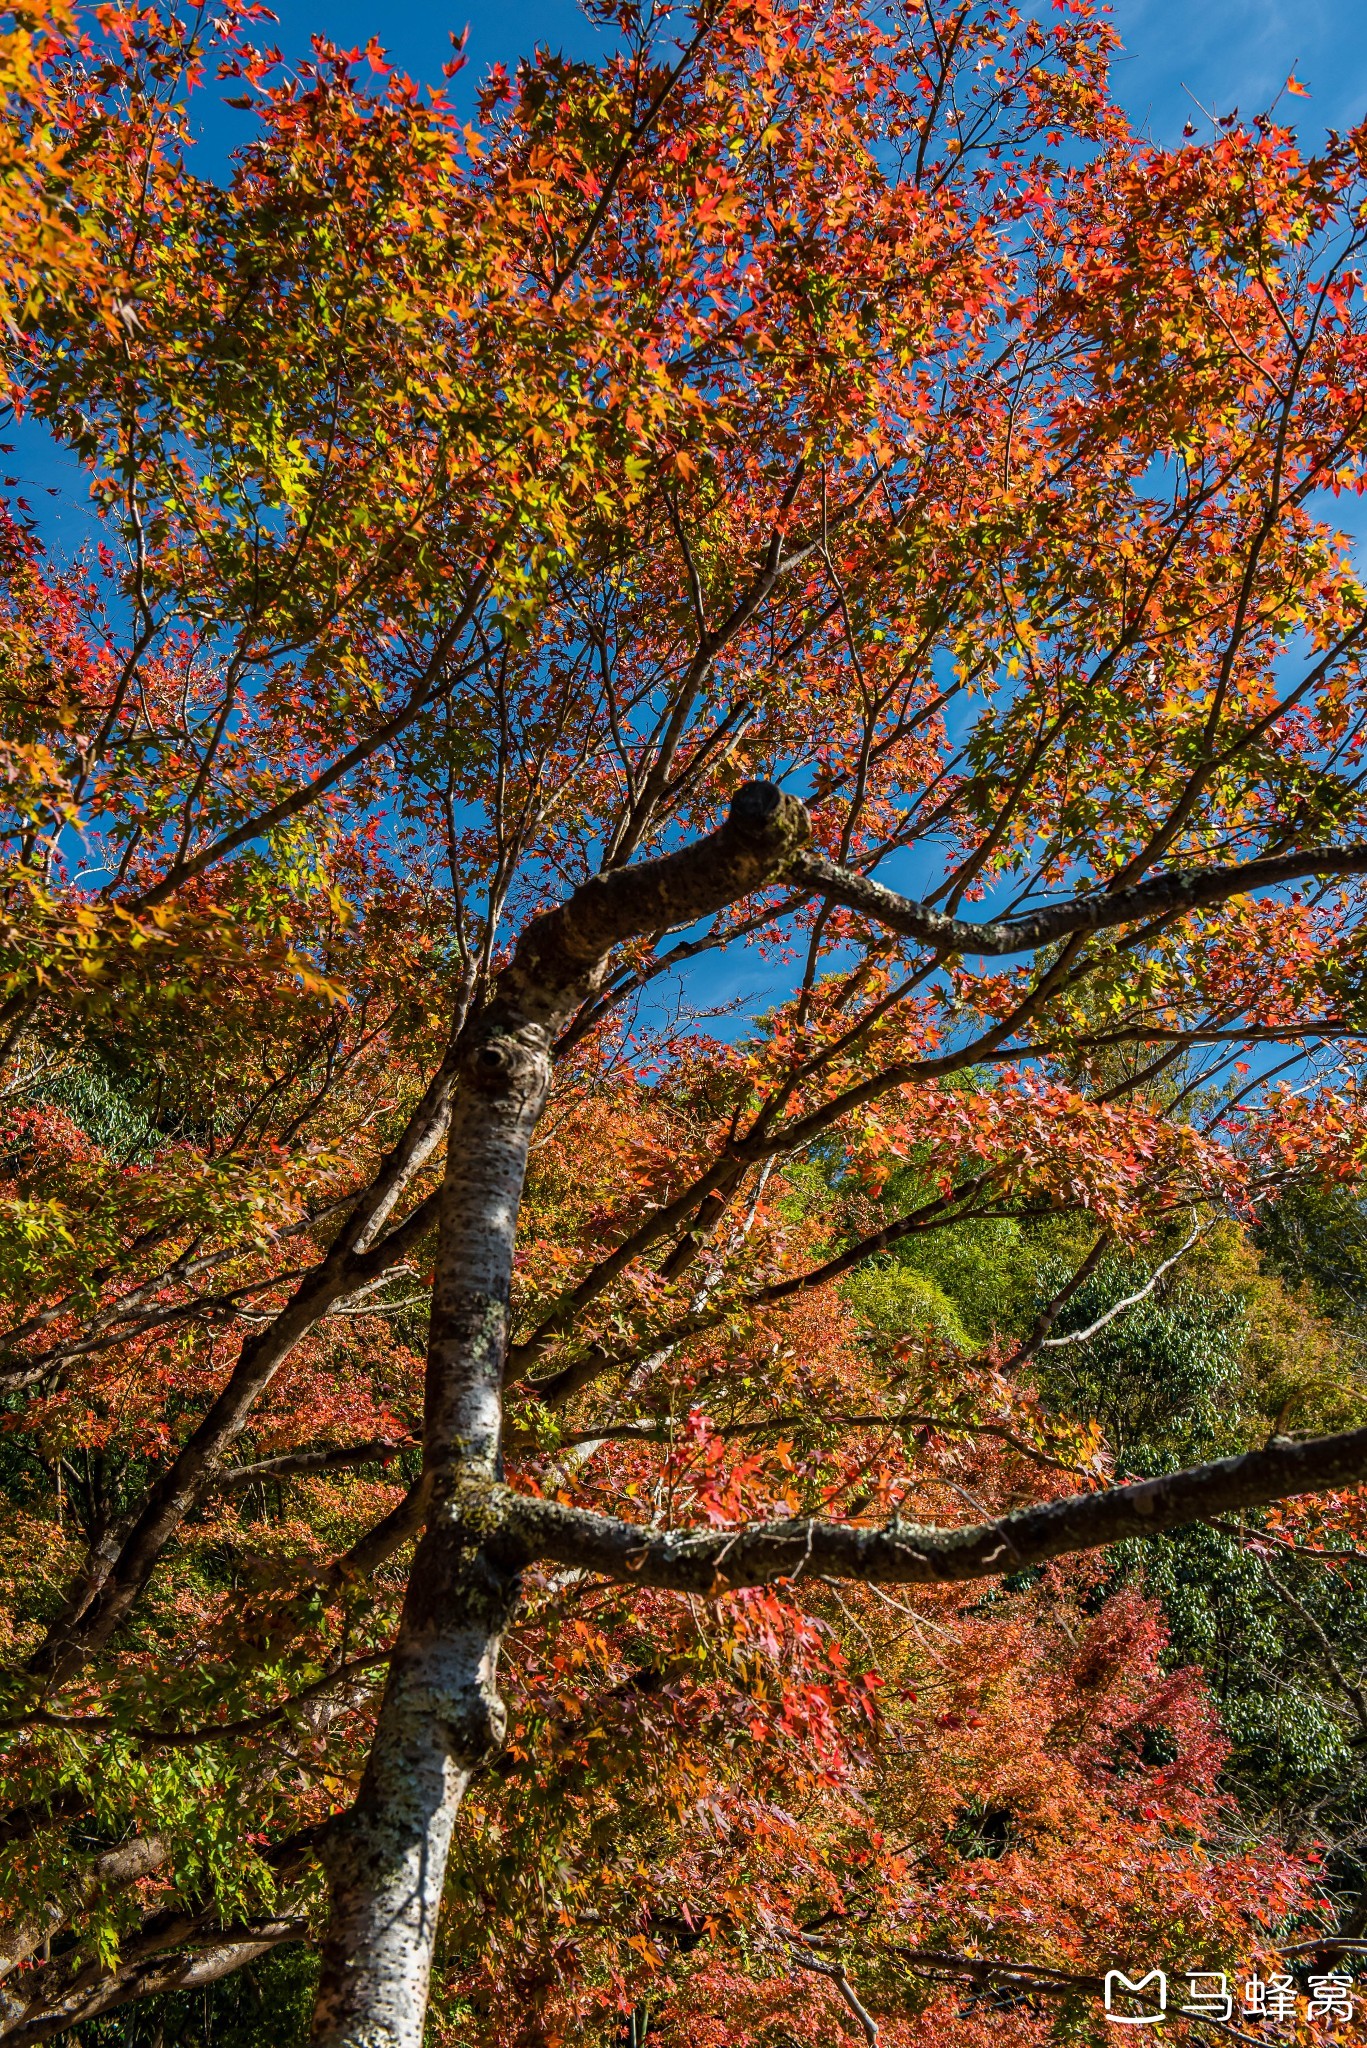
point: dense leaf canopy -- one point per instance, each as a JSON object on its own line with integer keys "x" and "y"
{"x": 806, "y": 398}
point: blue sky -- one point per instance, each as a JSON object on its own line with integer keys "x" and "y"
{"x": 1227, "y": 53}
{"x": 1224, "y": 52}
{"x": 1220, "y": 53}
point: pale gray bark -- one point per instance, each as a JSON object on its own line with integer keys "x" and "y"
{"x": 441, "y": 1716}
{"x": 146, "y": 1973}
{"x": 714, "y": 1561}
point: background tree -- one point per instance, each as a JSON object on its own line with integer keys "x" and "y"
{"x": 802, "y": 454}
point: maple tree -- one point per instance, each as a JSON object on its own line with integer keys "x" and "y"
{"x": 472, "y": 1431}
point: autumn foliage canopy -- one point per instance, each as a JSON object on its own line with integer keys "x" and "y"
{"x": 806, "y": 398}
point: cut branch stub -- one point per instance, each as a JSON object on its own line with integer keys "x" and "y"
{"x": 563, "y": 954}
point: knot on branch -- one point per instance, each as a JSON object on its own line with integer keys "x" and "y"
{"x": 563, "y": 954}
{"x": 476, "y": 1508}
{"x": 508, "y": 1065}
{"x": 476, "y": 1723}
{"x": 772, "y": 820}
{"x": 470, "y": 1562}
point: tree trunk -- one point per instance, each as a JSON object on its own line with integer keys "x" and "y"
{"x": 441, "y": 1716}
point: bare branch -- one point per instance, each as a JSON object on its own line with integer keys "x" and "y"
{"x": 649, "y": 1429}
{"x": 144, "y": 1972}
{"x": 834, "y": 1969}
{"x": 1131, "y": 1300}
{"x": 297, "y": 1464}
{"x": 1183, "y": 890}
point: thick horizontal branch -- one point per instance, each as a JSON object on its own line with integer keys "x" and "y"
{"x": 713, "y": 1561}
{"x": 563, "y": 955}
{"x": 117, "y": 1869}
{"x": 1183, "y": 890}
